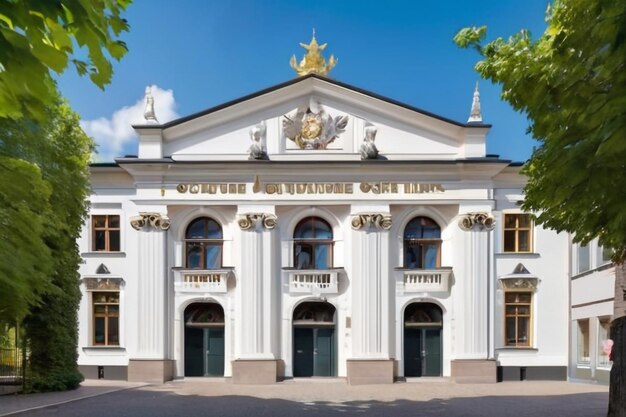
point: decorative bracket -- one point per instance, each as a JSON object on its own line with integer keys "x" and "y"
{"x": 250, "y": 221}
{"x": 480, "y": 221}
{"x": 156, "y": 220}
{"x": 378, "y": 220}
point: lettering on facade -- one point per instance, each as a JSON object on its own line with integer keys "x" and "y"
{"x": 211, "y": 188}
{"x": 294, "y": 188}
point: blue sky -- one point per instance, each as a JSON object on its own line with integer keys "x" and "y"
{"x": 203, "y": 53}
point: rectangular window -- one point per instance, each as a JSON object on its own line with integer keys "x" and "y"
{"x": 106, "y": 314}
{"x": 105, "y": 231}
{"x": 604, "y": 327}
{"x": 604, "y": 255}
{"x": 583, "y": 259}
{"x": 518, "y": 314}
{"x": 583, "y": 342}
{"x": 518, "y": 230}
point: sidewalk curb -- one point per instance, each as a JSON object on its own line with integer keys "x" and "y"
{"x": 84, "y": 397}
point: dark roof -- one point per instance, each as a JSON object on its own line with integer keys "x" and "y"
{"x": 297, "y": 80}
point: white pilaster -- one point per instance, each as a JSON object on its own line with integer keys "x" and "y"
{"x": 152, "y": 287}
{"x": 371, "y": 286}
{"x": 257, "y": 286}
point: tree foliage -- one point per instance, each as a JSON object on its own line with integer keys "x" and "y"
{"x": 47, "y": 182}
{"x": 37, "y": 37}
{"x": 571, "y": 82}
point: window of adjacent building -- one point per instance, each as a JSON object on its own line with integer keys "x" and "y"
{"x": 422, "y": 244}
{"x": 313, "y": 244}
{"x": 518, "y": 314}
{"x": 105, "y": 230}
{"x": 106, "y": 314}
{"x": 583, "y": 341}
{"x": 604, "y": 326}
{"x": 604, "y": 255}
{"x": 518, "y": 233}
{"x": 203, "y": 244}
{"x": 583, "y": 258}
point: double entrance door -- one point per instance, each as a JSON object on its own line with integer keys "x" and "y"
{"x": 314, "y": 351}
{"x": 422, "y": 351}
{"x": 204, "y": 351}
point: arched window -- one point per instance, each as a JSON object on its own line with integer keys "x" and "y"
{"x": 422, "y": 244}
{"x": 203, "y": 244}
{"x": 313, "y": 244}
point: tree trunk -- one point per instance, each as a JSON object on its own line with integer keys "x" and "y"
{"x": 617, "y": 389}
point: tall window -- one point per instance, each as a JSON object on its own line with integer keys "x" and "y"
{"x": 583, "y": 356}
{"x": 518, "y": 233}
{"x": 203, "y": 244}
{"x": 518, "y": 314}
{"x": 422, "y": 244}
{"x": 105, "y": 231}
{"x": 604, "y": 255}
{"x": 584, "y": 263}
{"x": 604, "y": 326}
{"x": 106, "y": 314}
{"x": 313, "y": 244}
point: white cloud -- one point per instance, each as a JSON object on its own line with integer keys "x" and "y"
{"x": 114, "y": 136}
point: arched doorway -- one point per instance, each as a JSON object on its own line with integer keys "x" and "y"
{"x": 423, "y": 325}
{"x": 204, "y": 340}
{"x": 314, "y": 347}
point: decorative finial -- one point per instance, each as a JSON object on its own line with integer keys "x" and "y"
{"x": 313, "y": 61}
{"x": 475, "y": 115}
{"x": 148, "y": 113}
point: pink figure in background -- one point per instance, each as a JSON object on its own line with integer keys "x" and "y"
{"x": 607, "y": 347}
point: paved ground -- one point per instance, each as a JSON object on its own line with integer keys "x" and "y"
{"x": 310, "y": 398}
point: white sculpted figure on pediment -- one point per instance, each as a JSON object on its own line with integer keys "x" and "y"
{"x": 310, "y": 127}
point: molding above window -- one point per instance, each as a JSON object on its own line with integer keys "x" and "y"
{"x": 104, "y": 254}
{"x": 102, "y": 282}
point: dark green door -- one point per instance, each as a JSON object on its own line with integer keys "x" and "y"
{"x": 323, "y": 352}
{"x": 314, "y": 351}
{"x": 412, "y": 352}
{"x": 214, "y": 343}
{"x": 422, "y": 352}
{"x": 204, "y": 351}
{"x": 303, "y": 351}
{"x": 432, "y": 352}
{"x": 194, "y": 346}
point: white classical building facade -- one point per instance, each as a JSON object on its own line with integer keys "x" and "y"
{"x": 317, "y": 229}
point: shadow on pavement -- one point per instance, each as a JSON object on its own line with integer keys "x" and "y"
{"x": 148, "y": 403}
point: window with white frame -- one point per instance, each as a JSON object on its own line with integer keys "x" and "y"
{"x": 604, "y": 255}
{"x": 583, "y": 259}
{"x": 583, "y": 356}
{"x": 604, "y": 334}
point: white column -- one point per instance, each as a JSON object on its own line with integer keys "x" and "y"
{"x": 257, "y": 323}
{"x": 371, "y": 286}
{"x": 152, "y": 331}
{"x": 472, "y": 324}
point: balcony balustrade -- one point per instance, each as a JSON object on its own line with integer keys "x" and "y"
{"x": 426, "y": 280}
{"x": 202, "y": 281}
{"x": 310, "y": 281}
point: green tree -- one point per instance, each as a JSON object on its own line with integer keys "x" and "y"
{"x": 56, "y": 155}
{"x": 37, "y": 37}
{"x": 571, "y": 82}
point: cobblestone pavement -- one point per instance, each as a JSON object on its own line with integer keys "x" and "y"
{"x": 312, "y": 398}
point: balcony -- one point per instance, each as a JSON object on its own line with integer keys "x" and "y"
{"x": 313, "y": 281}
{"x": 201, "y": 281}
{"x": 426, "y": 280}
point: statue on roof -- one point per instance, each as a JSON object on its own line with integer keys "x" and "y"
{"x": 313, "y": 61}
{"x": 149, "y": 115}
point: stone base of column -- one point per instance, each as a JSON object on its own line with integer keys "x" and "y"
{"x": 255, "y": 371}
{"x": 474, "y": 371}
{"x": 150, "y": 370}
{"x": 370, "y": 371}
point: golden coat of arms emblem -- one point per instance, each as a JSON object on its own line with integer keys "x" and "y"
{"x": 313, "y": 128}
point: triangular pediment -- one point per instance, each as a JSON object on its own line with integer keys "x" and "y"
{"x": 312, "y": 118}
